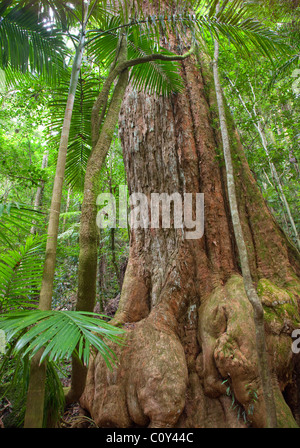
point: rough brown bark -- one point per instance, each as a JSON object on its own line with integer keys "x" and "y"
{"x": 189, "y": 323}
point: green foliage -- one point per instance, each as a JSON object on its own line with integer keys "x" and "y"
{"x": 80, "y": 133}
{"x": 15, "y": 218}
{"x": 161, "y": 77}
{"x": 113, "y": 243}
{"x": 60, "y": 334}
{"x": 27, "y": 42}
{"x": 14, "y": 375}
{"x": 21, "y": 273}
{"x": 276, "y": 106}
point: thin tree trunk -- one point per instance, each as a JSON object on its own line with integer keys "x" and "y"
{"x": 101, "y": 274}
{"x": 49, "y": 268}
{"x": 277, "y": 180}
{"x": 113, "y": 254}
{"x": 243, "y": 255}
{"x": 39, "y": 192}
{"x": 35, "y": 399}
{"x": 87, "y": 269}
{"x": 274, "y": 173}
{"x": 112, "y": 234}
{"x": 285, "y": 219}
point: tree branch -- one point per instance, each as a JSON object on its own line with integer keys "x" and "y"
{"x": 101, "y": 102}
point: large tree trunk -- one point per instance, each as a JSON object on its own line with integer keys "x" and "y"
{"x": 190, "y": 329}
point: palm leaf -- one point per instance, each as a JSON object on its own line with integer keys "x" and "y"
{"x": 80, "y": 133}
{"x": 13, "y": 218}
{"x": 284, "y": 68}
{"x": 26, "y": 43}
{"x": 161, "y": 77}
{"x": 232, "y": 21}
{"x": 59, "y": 333}
{"x": 20, "y": 273}
{"x": 235, "y": 21}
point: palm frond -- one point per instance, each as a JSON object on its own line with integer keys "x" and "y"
{"x": 161, "y": 77}
{"x": 233, "y": 21}
{"x": 80, "y": 133}
{"x": 15, "y": 217}
{"x": 28, "y": 43}
{"x": 61, "y": 334}
{"x": 284, "y": 68}
{"x": 21, "y": 273}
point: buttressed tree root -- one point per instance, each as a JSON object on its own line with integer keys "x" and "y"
{"x": 152, "y": 385}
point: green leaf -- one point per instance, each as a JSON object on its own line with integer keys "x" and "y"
{"x": 26, "y": 43}
{"x": 59, "y": 333}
